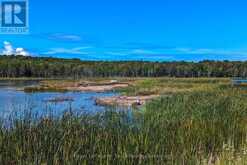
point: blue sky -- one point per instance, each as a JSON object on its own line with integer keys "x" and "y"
{"x": 153, "y": 30}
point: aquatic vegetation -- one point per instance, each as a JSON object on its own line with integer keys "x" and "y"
{"x": 170, "y": 86}
{"x": 187, "y": 128}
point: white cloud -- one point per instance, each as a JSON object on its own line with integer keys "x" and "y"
{"x": 77, "y": 50}
{"x": 22, "y": 52}
{"x": 8, "y": 50}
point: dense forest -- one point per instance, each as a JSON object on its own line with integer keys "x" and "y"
{"x": 20, "y": 66}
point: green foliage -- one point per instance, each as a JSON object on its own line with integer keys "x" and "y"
{"x": 18, "y": 66}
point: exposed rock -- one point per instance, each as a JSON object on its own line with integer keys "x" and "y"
{"x": 83, "y": 86}
{"x": 125, "y": 100}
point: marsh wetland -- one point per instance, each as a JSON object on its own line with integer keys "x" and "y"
{"x": 192, "y": 121}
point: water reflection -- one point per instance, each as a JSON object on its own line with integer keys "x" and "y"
{"x": 13, "y": 100}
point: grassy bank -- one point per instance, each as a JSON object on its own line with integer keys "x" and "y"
{"x": 137, "y": 86}
{"x": 76, "y": 85}
{"x": 170, "y": 86}
{"x": 186, "y": 128}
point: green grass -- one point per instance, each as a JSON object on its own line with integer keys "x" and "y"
{"x": 170, "y": 86}
{"x": 186, "y": 128}
{"x": 61, "y": 85}
{"x": 138, "y": 86}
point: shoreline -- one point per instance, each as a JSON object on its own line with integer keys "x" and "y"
{"x": 98, "y": 87}
{"x": 125, "y": 100}
{"x": 75, "y": 85}
{"x": 136, "y": 91}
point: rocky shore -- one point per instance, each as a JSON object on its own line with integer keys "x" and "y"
{"x": 125, "y": 100}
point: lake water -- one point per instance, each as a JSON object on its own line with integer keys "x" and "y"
{"x": 14, "y": 101}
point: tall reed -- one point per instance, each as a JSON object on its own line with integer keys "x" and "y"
{"x": 194, "y": 128}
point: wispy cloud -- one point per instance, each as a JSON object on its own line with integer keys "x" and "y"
{"x": 75, "y": 51}
{"x": 205, "y": 51}
{"x": 152, "y": 49}
{"x": 143, "y": 45}
{"x": 68, "y": 38}
{"x": 137, "y": 51}
{"x": 65, "y": 37}
{"x": 162, "y": 53}
{"x": 132, "y": 52}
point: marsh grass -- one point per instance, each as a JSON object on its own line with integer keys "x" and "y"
{"x": 137, "y": 86}
{"x": 170, "y": 86}
{"x": 207, "y": 127}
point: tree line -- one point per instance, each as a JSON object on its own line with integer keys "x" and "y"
{"x": 46, "y": 67}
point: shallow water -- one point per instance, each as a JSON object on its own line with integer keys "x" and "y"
{"x": 14, "y": 101}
